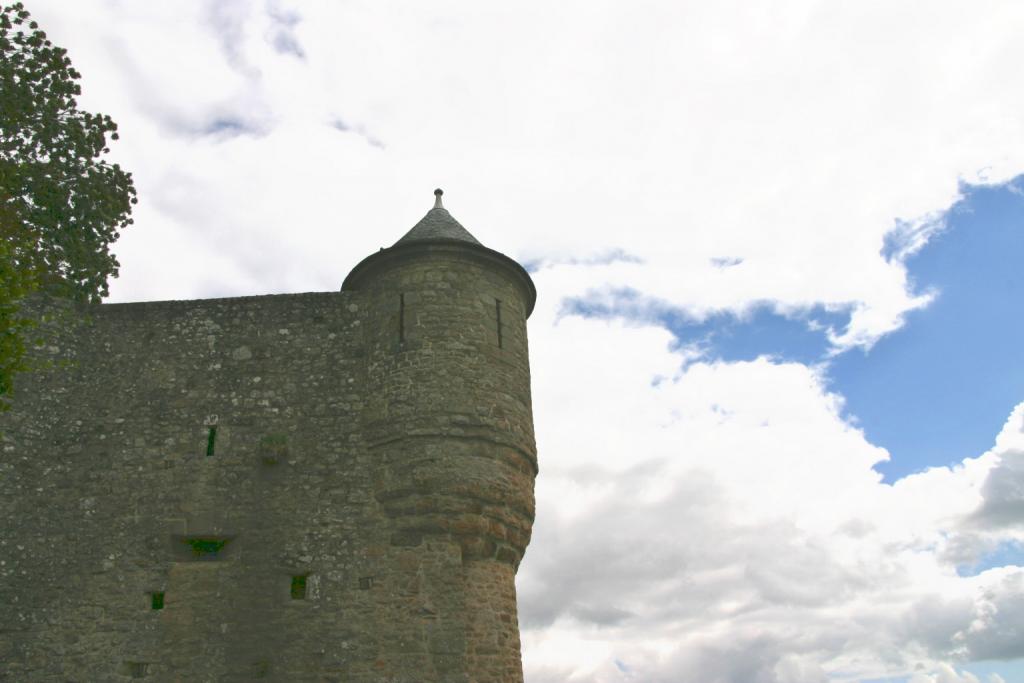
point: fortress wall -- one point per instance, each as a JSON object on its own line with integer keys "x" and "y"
{"x": 105, "y": 475}
{"x": 360, "y": 516}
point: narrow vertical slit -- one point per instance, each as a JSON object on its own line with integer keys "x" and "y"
{"x": 401, "y": 318}
{"x": 497, "y": 310}
{"x": 211, "y": 439}
{"x": 299, "y": 587}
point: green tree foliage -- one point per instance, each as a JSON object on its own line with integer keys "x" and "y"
{"x": 60, "y": 205}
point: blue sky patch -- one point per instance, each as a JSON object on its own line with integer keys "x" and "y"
{"x": 1009, "y": 671}
{"x": 793, "y": 336}
{"x": 934, "y": 392}
{"x": 1008, "y": 553}
{"x": 762, "y": 330}
{"x": 939, "y": 389}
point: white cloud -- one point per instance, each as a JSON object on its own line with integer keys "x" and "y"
{"x": 789, "y": 140}
{"x": 726, "y": 525}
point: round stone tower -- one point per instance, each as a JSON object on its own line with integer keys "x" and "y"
{"x": 449, "y": 431}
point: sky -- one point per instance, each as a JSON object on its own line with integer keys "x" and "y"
{"x": 777, "y": 376}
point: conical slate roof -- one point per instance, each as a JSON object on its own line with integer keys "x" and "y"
{"x": 435, "y": 236}
{"x": 438, "y": 224}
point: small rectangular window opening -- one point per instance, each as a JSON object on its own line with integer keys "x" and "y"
{"x": 299, "y": 587}
{"x": 157, "y": 600}
{"x": 401, "y": 318}
{"x": 206, "y": 549}
{"x": 138, "y": 669}
{"x": 497, "y": 310}
{"x": 366, "y": 582}
{"x": 211, "y": 439}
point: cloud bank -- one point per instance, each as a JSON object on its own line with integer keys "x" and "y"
{"x": 726, "y": 525}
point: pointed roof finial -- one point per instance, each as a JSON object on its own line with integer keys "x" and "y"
{"x": 438, "y": 224}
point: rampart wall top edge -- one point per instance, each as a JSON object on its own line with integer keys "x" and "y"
{"x": 216, "y": 300}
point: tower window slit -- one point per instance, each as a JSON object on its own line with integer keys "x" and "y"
{"x": 157, "y": 601}
{"x": 299, "y": 587}
{"x": 211, "y": 440}
{"x": 497, "y": 311}
{"x": 401, "y": 318}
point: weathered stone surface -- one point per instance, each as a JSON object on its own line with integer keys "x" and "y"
{"x": 376, "y": 442}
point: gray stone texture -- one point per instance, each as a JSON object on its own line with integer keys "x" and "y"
{"x": 377, "y": 441}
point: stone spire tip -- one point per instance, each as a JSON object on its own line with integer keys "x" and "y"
{"x": 437, "y": 198}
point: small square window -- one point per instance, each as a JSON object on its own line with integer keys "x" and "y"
{"x": 207, "y": 549}
{"x": 201, "y": 548}
{"x": 157, "y": 600}
{"x": 366, "y": 582}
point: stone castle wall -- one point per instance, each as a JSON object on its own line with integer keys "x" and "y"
{"x": 319, "y": 487}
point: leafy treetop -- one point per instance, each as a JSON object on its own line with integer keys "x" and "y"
{"x": 60, "y": 205}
